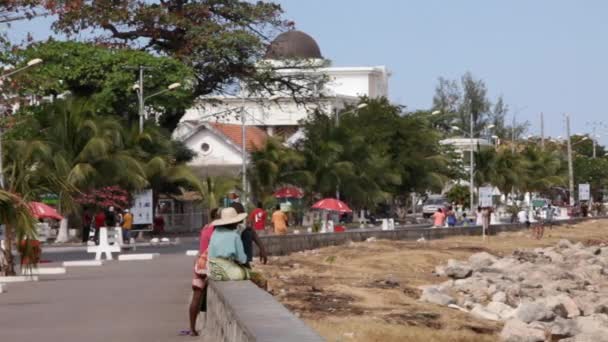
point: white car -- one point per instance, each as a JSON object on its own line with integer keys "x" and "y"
{"x": 432, "y": 204}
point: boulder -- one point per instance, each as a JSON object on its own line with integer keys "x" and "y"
{"x": 502, "y": 310}
{"x": 518, "y": 331}
{"x": 596, "y": 324}
{"x": 433, "y": 295}
{"x": 479, "y": 312}
{"x": 482, "y": 259}
{"x": 440, "y": 271}
{"x": 563, "y": 243}
{"x": 457, "y": 270}
{"x": 499, "y": 297}
{"x": 563, "y": 306}
{"x": 533, "y": 311}
{"x": 562, "y": 328}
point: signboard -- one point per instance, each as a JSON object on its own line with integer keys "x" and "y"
{"x": 583, "y": 192}
{"x": 142, "y": 207}
{"x": 485, "y": 196}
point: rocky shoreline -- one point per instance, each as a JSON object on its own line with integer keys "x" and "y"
{"x": 547, "y": 294}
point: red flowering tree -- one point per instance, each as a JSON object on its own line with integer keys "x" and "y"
{"x": 109, "y": 196}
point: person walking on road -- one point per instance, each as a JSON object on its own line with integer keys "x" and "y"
{"x": 100, "y": 221}
{"x": 279, "y": 221}
{"x": 87, "y": 220}
{"x": 127, "y": 225}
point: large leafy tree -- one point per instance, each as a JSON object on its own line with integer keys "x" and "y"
{"x": 593, "y": 171}
{"x": 222, "y": 40}
{"x": 105, "y": 76}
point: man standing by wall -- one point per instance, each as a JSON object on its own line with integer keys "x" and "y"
{"x": 279, "y": 221}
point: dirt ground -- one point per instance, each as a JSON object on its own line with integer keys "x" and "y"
{"x": 368, "y": 291}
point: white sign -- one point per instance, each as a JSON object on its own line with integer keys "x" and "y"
{"x": 142, "y": 207}
{"x": 583, "y": 192}
{"x": 485, "y": 196}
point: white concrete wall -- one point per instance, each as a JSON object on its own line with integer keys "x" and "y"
{"x": 220, "y": 153}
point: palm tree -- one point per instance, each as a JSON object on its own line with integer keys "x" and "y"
{"x": 543, "y": 170}
{"x": 19, "y": 225}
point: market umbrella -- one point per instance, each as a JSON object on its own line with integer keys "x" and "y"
{"x": 332, "y": 204}
{"x": 43, "y": 211}
{"x": 289, "y": 192}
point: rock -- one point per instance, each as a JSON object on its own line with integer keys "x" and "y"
{"x": 454, "y": 306}
{"x": 370, "y": 239}
{"x": 457, "y": 270}
{"x": 562, "y": 305}
{"x": 482, "y": 259}
{"x": 562, "y": 328}
{"x": 518, "y": 331}
{"x": 479, "y": 312}
{"x": 596, "y": 324}
{"x": 555, "y": 257}
{"x": 440, "y": 271}
{"x": 533, "y": 311}
{"x": 499, "y": 297}
{"x": 433, "y": 295}
{"x": 563, "y": 243}
{"x": 502, "y": 310}
{"x": 586, "y": 303}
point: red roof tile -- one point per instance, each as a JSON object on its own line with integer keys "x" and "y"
{"x": 256, "y": 138}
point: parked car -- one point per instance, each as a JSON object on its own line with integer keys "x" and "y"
{"x": 433, "y": 203}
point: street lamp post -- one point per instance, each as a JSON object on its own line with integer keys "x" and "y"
{"x": 570, "y": 168}
{"x": 359, "y": 106}
{"x": 141, "y": 100}
{"x": 29, "y": 64}
{"x": 471, "y": 161}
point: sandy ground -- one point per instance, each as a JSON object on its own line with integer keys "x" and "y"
{"x": 368, "y": 291}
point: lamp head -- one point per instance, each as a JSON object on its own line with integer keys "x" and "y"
{"x": 34, "y": 61}
{"x": 362, "y": 105}
{"x": 174, "y": 85}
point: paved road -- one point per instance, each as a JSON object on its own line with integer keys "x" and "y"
{"x": 120, "y": 301}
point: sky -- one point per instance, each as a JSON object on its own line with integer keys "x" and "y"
{"x": 547, "y": 56}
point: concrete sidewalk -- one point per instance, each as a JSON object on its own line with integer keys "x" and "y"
{"x": 120, "y": 301}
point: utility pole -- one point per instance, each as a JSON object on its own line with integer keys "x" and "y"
{"x": 542, "y": 131}
{"x": 570, "y": 168}
{"x": 244, "y": 148}
{"x": 471, "y": 164}
{"x": 594, "y": 135}
{"x": 140, "y": 98}
{"x": 513, "y": 135}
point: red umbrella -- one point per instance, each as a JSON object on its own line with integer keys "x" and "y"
{"x": 333, "y": 205}
{"x": 43, "y": 211}
{"x": 289, "y": 192}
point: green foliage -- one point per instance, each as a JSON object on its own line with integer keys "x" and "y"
{"x": 19, "y": 225}
{"x": 106, "y": 77}
{"x": 459, "y": 194}
{"x": 593, "y": 171}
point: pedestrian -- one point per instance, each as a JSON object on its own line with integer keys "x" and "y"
{"x": 258, "y": 217}
{"x": 127, "y": 225}
{"x": 486, "y": 214}
{"x": 451, "y": 217}
{"x": 111, "y": 218}
{"x": 100, "y": 221}
{"x": 227, "y": 256}
{"x": 466, "y": 222}
{"x": 479, "y": 217}
{"x": 279, "y": 221}
{"x": 199, "y": 282}
{"x": 87, "y": 220}
{"x": 438, "y": 219}
{"x": 522, "y": 217}
{"x": 159, "y": 225}
{"x": 584, "y": 209}
{"x": 249, "y": 236}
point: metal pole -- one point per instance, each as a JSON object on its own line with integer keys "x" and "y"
{"x": 244, "y": 151}
{"x": 472, "y": 165}
{"x": 1, "y": 159}
{"x": 570, "y": 169}
{"x": 140, "y": 98}
{"x": 542, "y": 132}
{"x": 513, "y": 135}
{"x": 338, "y": 185}
{"x": 593, "y": 139}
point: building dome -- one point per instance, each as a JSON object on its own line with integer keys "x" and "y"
{"x": 293, "y": 45}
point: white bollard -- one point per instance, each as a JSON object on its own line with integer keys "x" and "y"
{"x": 2, "y": 288}
{"x": 384, "y": 224}
{"x": 330, "y": 226}
{"x": 391, "y": 224}
{"x": 104, "y": 247}
{"x": 324, "y": 227}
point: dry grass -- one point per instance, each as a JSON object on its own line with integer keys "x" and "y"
{"x": 368, "y": 291}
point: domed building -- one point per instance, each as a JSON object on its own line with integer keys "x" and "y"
{"x": 219, "y": 148}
